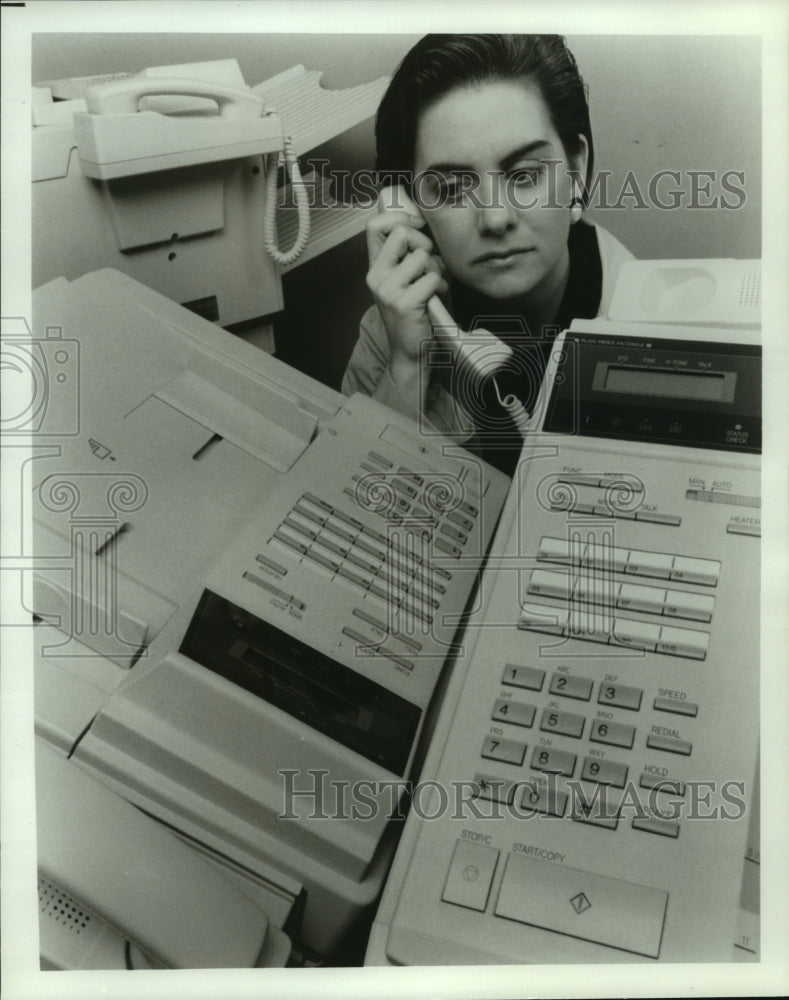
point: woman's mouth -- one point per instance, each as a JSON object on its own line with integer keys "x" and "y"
{"x": 502, "y": 258}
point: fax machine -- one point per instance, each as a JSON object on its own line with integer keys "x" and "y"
{"x": 246, "y": 586}
{"x": 589, "y": 791}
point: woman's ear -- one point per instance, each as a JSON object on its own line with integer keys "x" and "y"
{"x": 578, "y": 164}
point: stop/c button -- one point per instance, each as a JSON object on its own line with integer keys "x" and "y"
{"x": 470, "y": 875}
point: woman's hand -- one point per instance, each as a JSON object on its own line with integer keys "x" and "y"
{"x": 404, "y": 274}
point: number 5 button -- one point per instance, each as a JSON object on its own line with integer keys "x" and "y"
{"x": 566, "y": 723}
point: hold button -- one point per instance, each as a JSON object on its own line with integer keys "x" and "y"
{"x": 583, "y": 905}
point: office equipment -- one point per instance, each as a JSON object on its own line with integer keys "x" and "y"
{"x": 117, "y": 890}
{"x": 591, "y": 777}
{"x": 708, "y": 292}
{"x": 164, "y": 192}
{"x": 248, "y": 584}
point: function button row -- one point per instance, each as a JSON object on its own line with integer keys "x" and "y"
{"x": 648, "y": 517}
{"x": 627, "y": 596}
{"x": 384, "y": 585}
{"x": 575, "y": 552}
{"x": 357, "y": 548}
{"x": 626, "y": 482}
{"x": 665, "y": 639}
{"x": 326, "y": 509}
{"x": 606, "y": 510}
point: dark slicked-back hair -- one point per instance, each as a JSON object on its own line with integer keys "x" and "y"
{"x": 440, "y": 63}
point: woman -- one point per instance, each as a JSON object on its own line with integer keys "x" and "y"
{"x": 490, "y": 135}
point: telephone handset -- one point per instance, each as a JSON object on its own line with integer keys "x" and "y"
{"x": 236, "y": 107}
{"x": 479, "y": 352}
{"x": 123, "y": 96}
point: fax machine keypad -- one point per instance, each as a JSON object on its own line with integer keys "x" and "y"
{"x": 524, "y": 756}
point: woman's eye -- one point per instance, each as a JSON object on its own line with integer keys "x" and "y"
{"x": 525, "y": 176}
{"x": 452, "y": 189}
{"x": 439, "y": 190}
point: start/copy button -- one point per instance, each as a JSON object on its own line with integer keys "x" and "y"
{"x": 582, "y": 904}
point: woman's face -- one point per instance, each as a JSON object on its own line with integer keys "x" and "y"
{"x": 506, "y": 236}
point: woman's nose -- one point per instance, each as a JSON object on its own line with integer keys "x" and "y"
{"x": 495, "y": 213}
